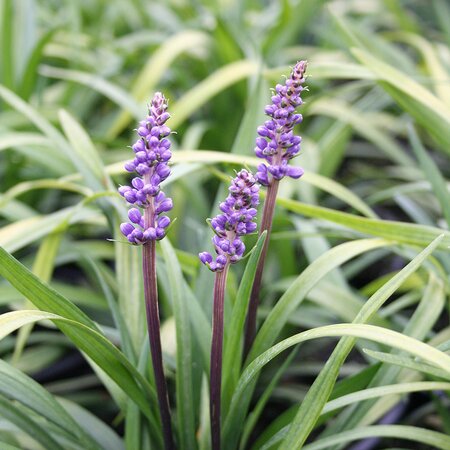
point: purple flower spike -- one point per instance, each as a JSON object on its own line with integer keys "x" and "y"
{"x": 238, "y": 213}
{"x": 147, "y": 225}
{"x": 151, "y": 159}
{"x": 276, "y": 142}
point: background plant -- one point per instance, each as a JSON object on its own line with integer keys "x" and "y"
{"x": 76, "y": 77}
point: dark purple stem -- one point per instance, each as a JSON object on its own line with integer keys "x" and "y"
{"x": 215, "y": 385}
{"x": 152, "y": 310}
{"x": 266, "y": 224}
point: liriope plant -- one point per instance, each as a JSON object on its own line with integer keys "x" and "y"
{"x": 359, "y": 170}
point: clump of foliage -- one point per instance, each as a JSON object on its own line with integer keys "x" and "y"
{"x": 352, "y": 336}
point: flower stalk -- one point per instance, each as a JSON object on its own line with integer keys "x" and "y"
{"x": 216, "y": 357}
{"x": 153, "y": 325}
{"x": 276, "y": 145}
{"x": 152, "y": 155}
{"x": 266, "y": 225}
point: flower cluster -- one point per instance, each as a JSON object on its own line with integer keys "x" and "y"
{"x": 152, "y": 154}
{"x": 277, "y": 143}
{"x": 237, "y": 219}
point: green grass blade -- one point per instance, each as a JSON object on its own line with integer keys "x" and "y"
{"x": 339, "y": 191}
{"x": 233, "y": 336}
{"x": 125, "y": 338}
{"x": 254, "y": 416}
{"x": 297, "y": 291}
{"x": 280, "y": 314}
{"x": 366, "y": 394}
{"x": 380, "y": 391}
{"x": 217, "y": 82}
{"x": 184, "y": 385}
{"x": 442, "y": 13}
{"x": 112, "y": 361}
{"x": 7, "y": 43}
{"x": 432, "y": 173}
{"x": 91, "y": 425}
{"x": 130, "y": 284}
{"x": 89, "y": 162}
{"x": 402, "y": 232}
{"x": 43, "y": 268}
{"x": 8, "y": 140}
{"x": 418, "y": 326}
{"x": 38, "y": 292}
{"x": 321, "y": 389}
{"x": 99, "y": 84}
{"x": 425, "y": 107}
{"x": 17, "y": 386}
{"x": 6, "y": 446}
{"x": 21, "y": 420}
{"x": 254, "y": 115}
{"x": 39, "y": 121}
{"x": 28, "y": 186}
{"x": 407, "y": 362}
{"x": 361, "y": 122}
{"x": 409, "y": 433}
{"x": 370, "y": 332}
{"x": 30, "y": 73}
{"x": 18, "y": 235}
{"x": 100, "y": 350}
{"x": 431, "y": 58}
{"x": 156, "y": 67}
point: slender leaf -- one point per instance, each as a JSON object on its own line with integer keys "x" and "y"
{"x": 319, "y": 392}
{"x": 233, "y": 337}
{"x": 17, "y": 386}
{"x": 432, "y": 173}
{"x": 415, "y": 434}
{"x": 185, "y": 399}
{"x": 19, "y": 418}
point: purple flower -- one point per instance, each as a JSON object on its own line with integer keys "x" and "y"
{"x": 276, "y": 143}
{"x": 152, "y": 154}
{"x": 237, "y": 218}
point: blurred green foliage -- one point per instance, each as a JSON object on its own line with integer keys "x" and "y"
{"x": 75, "y": 79}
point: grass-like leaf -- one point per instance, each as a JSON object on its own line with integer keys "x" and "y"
{"x": 17, "y": 386}
{"x": 185, "y": 399}
{"x": 93, "y": 343}
{"x": 233, "y": 336}
{"x": 319, "y": 392}
{"x": 20, "y": 419}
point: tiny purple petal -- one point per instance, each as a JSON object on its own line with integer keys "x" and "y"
{"x": 134, "y": 215}
{"x": 164, "y": 206}
{"x": 123, "y": 189}
{"x": 294, "y": 172}
{"x": 163, "y": 222}
{"x": 221, "y": 260}
{"x": 137, "y": 183}
{"x": 143, "y": 131}
{"x": 130, "y": 196}
{"x": 163, "y": 171}
{"x": 205, "y": 257}
{"x": 139, "y": 146}
{"x": 160, "y": 233}
{"x": 126, "y": 228}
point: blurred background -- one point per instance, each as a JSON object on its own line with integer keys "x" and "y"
{"x": 76, "y": 77}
